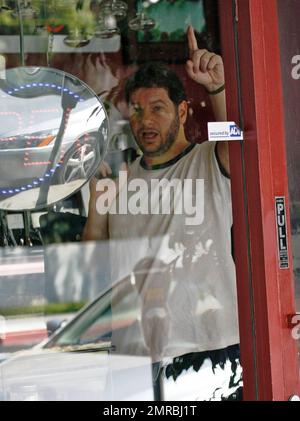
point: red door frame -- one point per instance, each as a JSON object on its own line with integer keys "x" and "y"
{"x": 259, "y": 174}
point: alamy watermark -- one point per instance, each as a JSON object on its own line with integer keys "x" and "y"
{"x": 159, "y": 196}
{"x": 296, "y": 327}
{"x": 296, "y": 67}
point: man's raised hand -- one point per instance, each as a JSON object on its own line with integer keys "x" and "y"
{"x": 204, "y": 67}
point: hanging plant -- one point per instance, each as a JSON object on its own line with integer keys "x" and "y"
{"x": 8, "y": 23}
{"x": 57, "y": 16}
{"x": 84, "y": 21}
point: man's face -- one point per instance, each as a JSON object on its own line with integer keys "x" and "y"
{"x": 154, "y": 120}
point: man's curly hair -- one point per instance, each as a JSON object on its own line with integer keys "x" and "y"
{"x": 158, "y": 75}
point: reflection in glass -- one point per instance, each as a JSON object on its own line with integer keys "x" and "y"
{"x": 107, "y": 25}
{"x": 53, "y": 133}
{"x": 108, "y": 13}
{"x": 118, "y": 8}
{"x": 141, "y": 22}
{"x": 75, "y": 39}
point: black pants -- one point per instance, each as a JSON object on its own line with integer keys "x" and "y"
{"x": 209, "y": 365}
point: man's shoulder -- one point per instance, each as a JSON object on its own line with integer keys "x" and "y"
{"x": 205, "y": 155}
{"x": 205, "y": 145}
{"x": 208, "y": 152}
{"x": 204, "y": 150}
{"x": 134, "y": 166}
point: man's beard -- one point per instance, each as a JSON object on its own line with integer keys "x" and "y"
{"x": 170, "y": 139}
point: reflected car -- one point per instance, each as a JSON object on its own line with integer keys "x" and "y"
{"x": 78, "y": 361}
{"x": 25, "y": 154}
{"x": 53, "y": 131}
{"x": 104, "y": 353}
{"x": 3, "y": 357}
{"x": 78, "y": 159}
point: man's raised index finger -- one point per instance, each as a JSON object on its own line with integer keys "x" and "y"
{"x": 193, "y": 46}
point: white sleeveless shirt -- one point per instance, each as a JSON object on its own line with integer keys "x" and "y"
{"x": 196, "y": 287}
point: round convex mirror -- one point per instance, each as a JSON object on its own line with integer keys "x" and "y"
{"x": 53, "y": 135}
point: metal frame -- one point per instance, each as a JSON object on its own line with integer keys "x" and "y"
{"x": 249, "y": 33}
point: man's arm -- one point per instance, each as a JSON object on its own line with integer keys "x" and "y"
{"x": 96, "y": 227}
{"x": 218, "y": 103}
{"x": 207, "y": 69}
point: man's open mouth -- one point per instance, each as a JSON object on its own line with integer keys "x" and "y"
{"x": 149, "y": 136}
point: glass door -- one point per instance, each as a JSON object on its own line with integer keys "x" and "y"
{"x": 289, "y": 36}
{"x": 175, "y": 292}
{"x": 261, "y": 199}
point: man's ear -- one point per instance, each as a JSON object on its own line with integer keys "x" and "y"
{"x": 182, "y": 111}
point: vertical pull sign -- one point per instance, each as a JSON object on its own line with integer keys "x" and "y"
{"x": 283, "y": 254}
